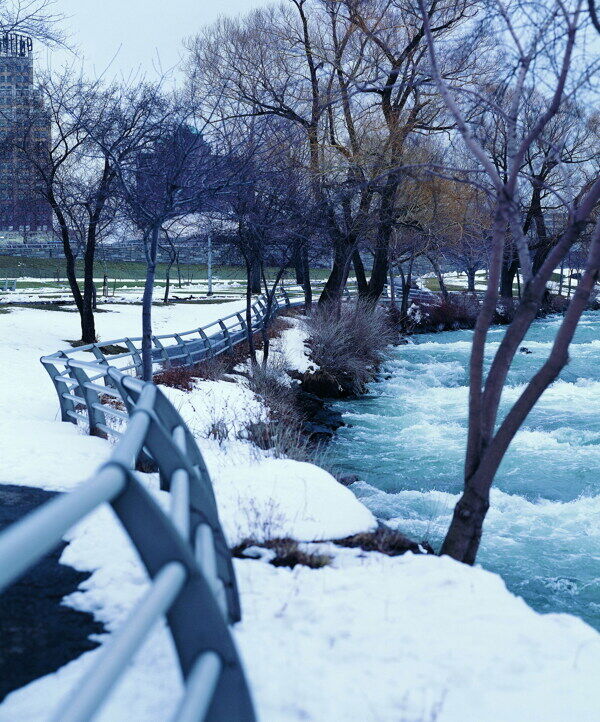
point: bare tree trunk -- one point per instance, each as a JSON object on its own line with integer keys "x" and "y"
{"x": 168, "y": 277}
{"x": 334, "y": 286}
{"x": 471, "y": 279}
{"x": 254, "y": 278}
{"x": 308, "y": 295}
{"x": 264, "y": 329}
{"x": 299, "y": 268}
{"x": 167, "y": 284}
{"x": 440, "y": 278}
{"x": 361, "y": 276}
{"x": 486, "y": 448}
{"x": 70, "y": 267}
{"x": 510, "y": 266}
{"x": 147, "y": 304}
{"x": 88, "y": 329}
{"x": 379, "y": 272}
{"x": 249, "y": 326}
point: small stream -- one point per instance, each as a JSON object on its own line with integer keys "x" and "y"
{"x": 406, "y": 443}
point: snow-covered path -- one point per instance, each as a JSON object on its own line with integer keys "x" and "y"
{"x": 411, "y": 638}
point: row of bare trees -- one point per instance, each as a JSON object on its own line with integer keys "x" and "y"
{"x": 369, "y": 133}
{"x": 461, "y": 131}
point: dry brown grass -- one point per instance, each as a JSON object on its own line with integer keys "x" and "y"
{"x": 384, "y": 540}
{"x": 183, "y": 377}
{"x": 288, "y": 553}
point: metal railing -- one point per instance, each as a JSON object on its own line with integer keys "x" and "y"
{"x": 185, "y": 553}
{"x": 415, "y": 294}
{"x": 168, "y": 350}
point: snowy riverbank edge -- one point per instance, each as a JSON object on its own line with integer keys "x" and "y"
{"x": 366, "y": 638}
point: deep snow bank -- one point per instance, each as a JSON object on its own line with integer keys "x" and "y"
{"x": 411, "y": 638}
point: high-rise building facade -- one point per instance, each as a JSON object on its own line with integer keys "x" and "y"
{"x": 23, "y": 211}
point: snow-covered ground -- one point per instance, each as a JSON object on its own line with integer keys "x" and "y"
{"x": 128, "y": 290}
{"x": 368, "y": 637}
{"x": 457, "y": 279}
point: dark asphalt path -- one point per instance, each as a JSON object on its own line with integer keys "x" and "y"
{"x": 37, "y": 633}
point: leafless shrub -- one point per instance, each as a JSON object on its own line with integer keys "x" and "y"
{"x": 506, "y": 309}
{"x": 558, "y": 304}
{"x": 349, "y": 344}
{"x": 282, "y": 432}
{"x": 271, "y": 384}
{"x": 218, "y": 430}
{"x": 386, "y": 541}
{"x": 183, "y": 377}
{"x": 453, "y": 312}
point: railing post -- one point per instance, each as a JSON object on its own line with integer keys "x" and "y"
{"x": 102, "y": 360}
{"x": 163, "y": 352}
{"x": 243, "y": 325}
{"x": 95, "y": 416}
{"x": 261, "y": 310}
{"x": 207, "y": 343}
{"x": 183, "y": 345}
{"x": 226, "y": 334}
{"x": 136, "y": 357}
{"x": 66, "y": 404}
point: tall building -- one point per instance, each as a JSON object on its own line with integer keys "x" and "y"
{"x": 23, "y": 213}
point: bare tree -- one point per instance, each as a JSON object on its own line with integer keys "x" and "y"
{"x": 537, "y": 50}
{"x": 34, "y": 18}
{"x": 172, "y": 175}
{"x": 270, "y": 205}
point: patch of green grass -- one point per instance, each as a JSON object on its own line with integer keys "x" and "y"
{"x": 53, "y": 268}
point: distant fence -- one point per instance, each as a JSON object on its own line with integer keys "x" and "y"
{"x": 8, "y": 284}
{"x": 184, "y": 551}
{"x": 129, "y": 251}
{"x": 417, "y": 295}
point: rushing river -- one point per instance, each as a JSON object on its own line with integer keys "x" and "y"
{"x": 406, "y": 443}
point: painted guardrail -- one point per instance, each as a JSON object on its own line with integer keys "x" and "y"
{"x": 192, "y": 581}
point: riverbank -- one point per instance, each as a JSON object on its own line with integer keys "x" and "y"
{"x": 540, "y": 533}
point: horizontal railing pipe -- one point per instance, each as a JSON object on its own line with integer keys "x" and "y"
{"x": 120, "y": 647}
{"x": 201, "y": 685}
{"x": 39, "y": 532}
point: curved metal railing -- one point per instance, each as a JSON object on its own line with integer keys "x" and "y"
{"x": 184, "y": 551}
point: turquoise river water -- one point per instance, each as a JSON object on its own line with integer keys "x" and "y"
{"x": 406, "y": 442}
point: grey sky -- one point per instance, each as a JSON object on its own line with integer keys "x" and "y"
{"x": 136, "y": 31}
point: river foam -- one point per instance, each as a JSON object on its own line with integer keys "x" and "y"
{"x": 406, "y": 442}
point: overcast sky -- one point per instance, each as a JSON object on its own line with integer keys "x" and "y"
{"x": 135, "y": 32}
